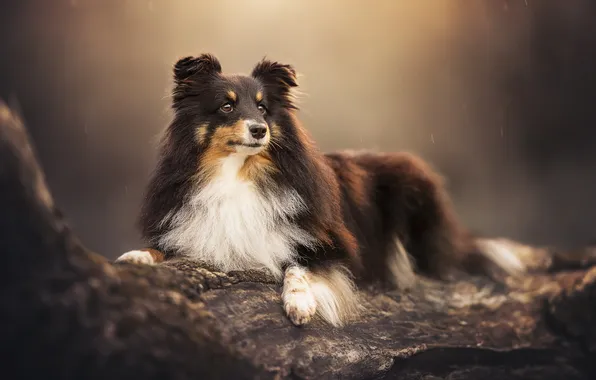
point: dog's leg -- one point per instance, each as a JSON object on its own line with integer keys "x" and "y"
{"x": 328, "y": 291}
{"x": 144, "y": 256}
{"x": 297, "y": 296}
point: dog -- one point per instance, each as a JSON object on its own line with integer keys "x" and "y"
{"x": 241, "y": 185}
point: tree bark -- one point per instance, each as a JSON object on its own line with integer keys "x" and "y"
{"x": 66, "y": 312}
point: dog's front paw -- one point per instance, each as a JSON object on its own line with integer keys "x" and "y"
{"x": 300, "y": 306}
{"x": 136, "y": 257}
{"x": 299, "y": 301}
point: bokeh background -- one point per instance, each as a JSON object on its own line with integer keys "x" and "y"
{"x": 498, "y": 95}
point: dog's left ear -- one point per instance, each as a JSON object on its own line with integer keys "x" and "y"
{"x": 278, "y": 79}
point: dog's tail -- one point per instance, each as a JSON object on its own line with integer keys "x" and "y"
{"x": 497, "y": 252}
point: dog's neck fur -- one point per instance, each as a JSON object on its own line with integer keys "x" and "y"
{"x": 233, "y": 224}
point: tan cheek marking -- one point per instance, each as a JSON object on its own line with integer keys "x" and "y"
{"x": 219, "y": 148}
{"x": 225, "y": 134}
{"x": 259, "y": 96}
{"x": 238, "y": 129}
{"x": 275, "y": 131}
{"x": 201, "y": 133}
{"x": 209, "y": 163}
{"x": 257, "y": 167}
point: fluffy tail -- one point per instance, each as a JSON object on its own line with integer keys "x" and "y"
{"x": 501, "y": 254}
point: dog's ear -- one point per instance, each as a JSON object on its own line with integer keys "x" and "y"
{"x": 205, "y": 64}
{"x": 278, "y": 79}
{"x": 189, "y": 70}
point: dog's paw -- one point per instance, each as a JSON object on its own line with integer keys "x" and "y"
{"x": 136, "y": 257}
{"x": 298, "y": 298}
{"x": 300, "y": 306}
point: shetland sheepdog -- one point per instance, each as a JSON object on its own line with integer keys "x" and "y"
{"x": 241, "y": 185}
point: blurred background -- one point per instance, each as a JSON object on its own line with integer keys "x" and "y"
{"x": 500, "y": 96}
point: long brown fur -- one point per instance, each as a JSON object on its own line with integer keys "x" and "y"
{"x": 330, "y": 221}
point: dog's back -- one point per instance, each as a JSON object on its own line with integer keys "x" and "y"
{"x": 397, "y": 207}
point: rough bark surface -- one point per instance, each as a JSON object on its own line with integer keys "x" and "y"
{"x": 66, "y": 312}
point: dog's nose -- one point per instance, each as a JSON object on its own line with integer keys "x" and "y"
{"x": 258, "y": 131}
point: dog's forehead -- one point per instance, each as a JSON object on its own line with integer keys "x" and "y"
{"x": 243, "y": 85}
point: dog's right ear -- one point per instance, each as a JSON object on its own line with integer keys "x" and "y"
{"x": 190, "y": 70}
{"x": 187, "y": 68}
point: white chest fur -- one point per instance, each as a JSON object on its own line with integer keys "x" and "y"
{"x": 229, "y": 223}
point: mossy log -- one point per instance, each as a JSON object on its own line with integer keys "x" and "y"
{"x": 68, "y": 313}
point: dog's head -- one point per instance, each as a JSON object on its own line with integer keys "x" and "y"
{"x": 231, "y": 113}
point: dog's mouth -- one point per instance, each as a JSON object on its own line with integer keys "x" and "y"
{"x": 248, "y": 145}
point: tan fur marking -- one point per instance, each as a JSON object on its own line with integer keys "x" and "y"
{"x": 201, "y": 133}
{"x": 219, "y": 148}
{"x": 275, "y": 131}
{"x": 256, "y": 167}
{"x": 232, "y": 95}
{"x": 209, "y": 163}
{"x": 259, "y": 96}
{"x": 158, "y": 256}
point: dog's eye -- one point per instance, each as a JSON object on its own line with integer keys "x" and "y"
{"x": 262, "y": 108}
{"x": 227, "y": 108}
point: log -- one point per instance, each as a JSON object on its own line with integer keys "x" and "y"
{"x": 68, "y": 313}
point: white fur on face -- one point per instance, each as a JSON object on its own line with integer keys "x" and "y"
{"x": 136, "y": 257}
{"x": 248, "y": 150}
{"x": 230, "y": 224}
{"x": 248, "y": 139}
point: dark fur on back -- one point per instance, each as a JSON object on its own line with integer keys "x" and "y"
{"x": 389, "y": 196}
{"x": 356, "y": 205}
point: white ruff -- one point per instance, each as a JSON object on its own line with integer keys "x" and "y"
{"x": 230, "y": 224}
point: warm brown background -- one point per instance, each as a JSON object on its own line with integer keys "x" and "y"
{"x": 499, "y": 95}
